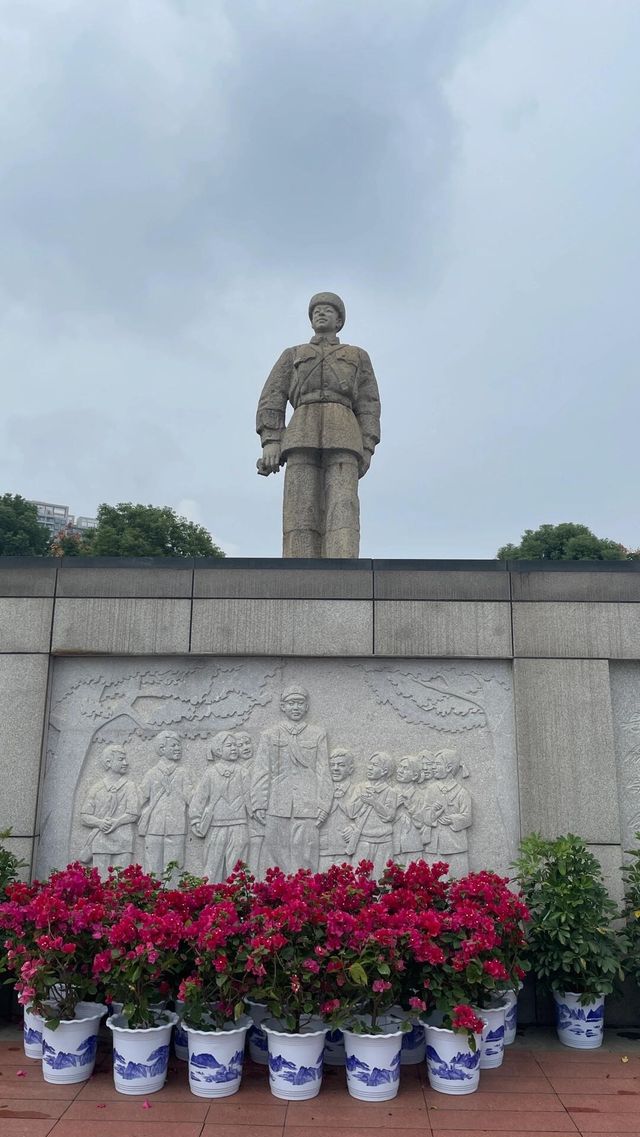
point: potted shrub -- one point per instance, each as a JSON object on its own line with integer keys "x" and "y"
{"x": 10, "y": 866}
{"x": 213, "y": 994}
{"x": 467, "y": 952}
{"x": 494, "y": 917}
{"x": 53, "y": 929}
{"x": 572, "y": 947}
{"x": 367, "y": 986}
{"x": 286, "y": 926}
{"x": 142, "y": 952}
{"x": 631, "y": 915}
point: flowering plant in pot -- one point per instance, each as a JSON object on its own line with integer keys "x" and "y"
{"x": 464, "y": 951}
{"x": 213, "y": 993}
{"x": 572, "y": 946}
{"x": 52, "y": 930}
{"x": 493, "y": 953}
{"x": 17, "y": 936}
{"x": 364, "y": 961}
{"x": 285, "y": 928}
{"x": 142, "y": 951}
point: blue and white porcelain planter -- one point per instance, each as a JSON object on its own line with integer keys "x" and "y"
{"x": 413, "y": 1043}
{"x": 216, "y": 1058}
{"x": 453, "y": 1067}
{"x": 295, "y": 1060}
{"x": 334, "y": 1054}
{"x": 258, "y": 1046}
{"x": 413, "y": 1046}
{"x": 492, "y": 1045}
{"x": 373, "y": 1062}
{"x": 32, "y": 1034}
{"x": 510, "y": 999}
{"x": 180, "y": 1040}
{"x": 69, "y": 1051}
{"x": 141, "y": 1055}
{"x": 580, "y": 1027}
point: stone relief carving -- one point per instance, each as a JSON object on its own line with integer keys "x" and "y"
{"x": 110, "y": 811}
{"x": 218, "y": 809}
{"x": 449, "y": 811}
{"x": 165, "y": 794}
{"x": 335, "y": 830}
{"x": 185, "y": 764}
{"x": 291, "y": 786}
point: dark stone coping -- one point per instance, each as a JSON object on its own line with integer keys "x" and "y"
{"x": 49, "y": 564}
{"x": 256, "y": 578}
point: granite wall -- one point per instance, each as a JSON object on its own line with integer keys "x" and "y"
{"x": 528, "y": 673}
{"x": 550, "y": 653}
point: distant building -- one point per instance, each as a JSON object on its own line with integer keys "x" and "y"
{"x": 57, "y": 517}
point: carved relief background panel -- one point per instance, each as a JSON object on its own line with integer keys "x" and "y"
{"x": 203, "y": 761}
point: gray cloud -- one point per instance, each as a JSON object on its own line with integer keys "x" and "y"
{"x": 176, "y": 178}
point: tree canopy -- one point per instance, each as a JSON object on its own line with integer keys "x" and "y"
{"x": 128, "y": 530}
{"x": 21, "y": 534}
{"x": 567, "y": 541}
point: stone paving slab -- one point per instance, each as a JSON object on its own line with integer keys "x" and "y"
{"x": 542, "y": 1090}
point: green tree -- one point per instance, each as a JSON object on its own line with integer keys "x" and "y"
{"x": 21, "y": 534}
{"x": 565, "y": 542}
{"x": 128, "y": 530}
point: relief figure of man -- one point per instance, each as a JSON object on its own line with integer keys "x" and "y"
{"x": 451, "y": 813}
{"x": 218, "y": 810}
{"x": 111, "y": 809}
{"x": 344, "y": 807}
{"x": 291, "y": 788}
{"x": 328, "y": 444}
{"x": 370, "y": 836}
{"x": 165, "y": 792}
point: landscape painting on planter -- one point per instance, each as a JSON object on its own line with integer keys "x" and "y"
{"x": 297, "y": 762}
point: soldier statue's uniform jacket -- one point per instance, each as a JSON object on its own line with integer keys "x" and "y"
{"x": 334, "y": 393}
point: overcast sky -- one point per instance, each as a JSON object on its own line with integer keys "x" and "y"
{"x": 177, "y": 177}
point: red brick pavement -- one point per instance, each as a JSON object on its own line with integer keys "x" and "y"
{"x": 538, "y": 1091}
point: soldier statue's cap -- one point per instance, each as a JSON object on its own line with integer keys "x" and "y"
{"x": 332, "y": 299}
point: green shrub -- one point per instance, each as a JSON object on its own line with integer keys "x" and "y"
{"x": 572, "y": 943}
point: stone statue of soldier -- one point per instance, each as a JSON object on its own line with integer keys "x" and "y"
{"x": 328, "y": 444}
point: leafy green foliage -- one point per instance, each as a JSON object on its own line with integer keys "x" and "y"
{"x": 567, "y": 541}
{"x": 631, "y": 914}
{"x": 128, "y": 530}
{"x": 21, "y": 534}
{"x": 10, "y": 864}
{"x": 572, "y": 945}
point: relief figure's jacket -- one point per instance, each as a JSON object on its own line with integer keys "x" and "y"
{"x": 291, "y": 771}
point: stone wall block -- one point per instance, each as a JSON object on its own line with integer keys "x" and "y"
{"x": 23, "y": 694}
{"x": 418, "y": 584}
{"x": 155, "y": 580}
{"x": 121, "y": 627}
{"x": 576, "y": 586}
{"x": 25, "y": 623}
{"x": 467, "y": 630}
{"x": 577, "y": 630}
{"x": 28, "y": 576}
{"x": 284, "y": 583}
{"x": 566, "y": 759}
{"x": 282, "y": 627}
